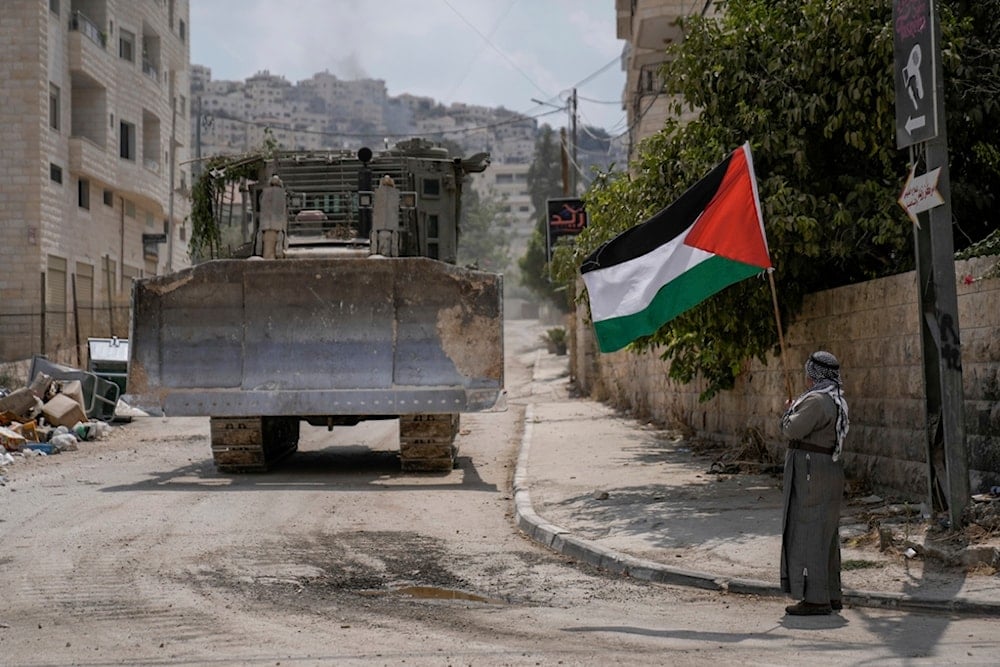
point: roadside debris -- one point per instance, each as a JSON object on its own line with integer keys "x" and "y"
{"x": 46, "y": 417}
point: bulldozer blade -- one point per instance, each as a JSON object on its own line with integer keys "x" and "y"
{"x": 344, "y": 336}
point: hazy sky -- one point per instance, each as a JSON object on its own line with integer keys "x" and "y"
{"x": 485, "y": 52}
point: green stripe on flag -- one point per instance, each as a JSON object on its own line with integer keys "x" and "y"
{"x": 684, "y": 292}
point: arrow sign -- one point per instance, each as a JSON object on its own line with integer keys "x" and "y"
{"x": 920, "y": 193}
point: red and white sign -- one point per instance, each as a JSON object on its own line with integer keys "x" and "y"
{"x": 920, "y": 193}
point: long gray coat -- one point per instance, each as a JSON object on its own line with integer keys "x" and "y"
{"x": 813, "y": 489}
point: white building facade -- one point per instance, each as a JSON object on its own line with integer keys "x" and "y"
{"x": 648, "y": 28}
{"x": 94, "y": 172}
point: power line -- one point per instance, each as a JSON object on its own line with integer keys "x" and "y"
{"x": 590, "y": 99}
{"x": 472, "y": 60}
{"x": 594, "y": 75}
{"x": 494, "y": 46}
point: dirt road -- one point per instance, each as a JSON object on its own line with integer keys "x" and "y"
{"x": 133, "y": 550}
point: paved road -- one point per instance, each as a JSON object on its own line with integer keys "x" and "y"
{"x": 133, "y": 550}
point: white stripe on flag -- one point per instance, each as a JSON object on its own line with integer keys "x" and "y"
{"x": 627, "y": 288}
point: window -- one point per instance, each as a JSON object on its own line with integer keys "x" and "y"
{"x": 126, "y": 143}
{"x": 432, "y": 187}
{"x": 55, "y": 173}
{"x": 130, "y": 208}
{"x": 54, "y": 6}
{"x": 181, "y": 30}
{"x": 126, "y": 45}
{"x": 83, "y": 193}
{"x": 53, "y": 106}
{"x": 109, "y": 198}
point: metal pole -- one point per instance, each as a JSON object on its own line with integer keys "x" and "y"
{"x": 173, "y": 170}
{"x": 947, "y": 459}
{"x": 76, "y": 319}
{"x": 44, "y": 306}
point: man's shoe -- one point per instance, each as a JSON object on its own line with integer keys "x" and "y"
{"x": 836, "y": 605}
{"x": 808, "y": 609}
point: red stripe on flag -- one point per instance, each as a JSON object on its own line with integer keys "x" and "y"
{"x": 730, "y": 226}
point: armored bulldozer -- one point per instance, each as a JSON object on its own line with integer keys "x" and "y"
{"x": 362, "y": 314}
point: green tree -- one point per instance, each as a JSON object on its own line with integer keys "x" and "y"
{"x": 809, "y": 84}
{"x": 545, "y": 172}
{"x": 544, "y": 182}
{"x": 485, "y": 232}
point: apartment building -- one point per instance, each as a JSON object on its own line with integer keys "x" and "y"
{"x": 648, "y": 27}
{"x": 94, "y": 166}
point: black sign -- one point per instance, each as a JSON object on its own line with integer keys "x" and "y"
{"x": 914, "y": 62}
{"x": 566, "y": 217}
{"x": 153, "y": 238}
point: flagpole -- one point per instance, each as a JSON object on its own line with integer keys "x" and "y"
{"x": 781, "y": 336}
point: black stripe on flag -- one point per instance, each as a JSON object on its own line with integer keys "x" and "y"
{"x": 663, "y": 227}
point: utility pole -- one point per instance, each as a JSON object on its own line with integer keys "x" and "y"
{"x": 196, "y": 170}
{"x": 173, "y": 169}
{"x": 563, "y": 156}
{"x": 573, "y": 125}
{"x": 920, "y": 125}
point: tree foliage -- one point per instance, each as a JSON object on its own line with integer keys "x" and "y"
{"x": 545, "y": 172}
{"x": 485, "y": 232}
{"x": 809, "y": 84}
{"x": 544, "y": 181}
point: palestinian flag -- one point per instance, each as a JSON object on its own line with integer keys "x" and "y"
{"x": 711, "y": 237}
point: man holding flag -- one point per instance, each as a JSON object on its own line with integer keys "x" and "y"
{"x": 708, "y": 239}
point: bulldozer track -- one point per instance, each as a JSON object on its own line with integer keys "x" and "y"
{"x": 252, "y": 444}
{"x": 427, "y": 442}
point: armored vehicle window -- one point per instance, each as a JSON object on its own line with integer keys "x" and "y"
{"x": 432, "y": 187}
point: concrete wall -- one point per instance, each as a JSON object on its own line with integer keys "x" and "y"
{"x": 873, "y": 329}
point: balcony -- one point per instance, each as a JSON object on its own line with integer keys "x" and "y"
{"x": 151, "y": 70}
{"x": 91, "y": 160}
{"x": 78, "y": 22}
{"x": 87, "y": 54}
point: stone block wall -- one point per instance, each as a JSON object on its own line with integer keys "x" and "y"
{"x": 873, "y": 328}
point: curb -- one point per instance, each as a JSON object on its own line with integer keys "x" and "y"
{"x": 562, "y": 541}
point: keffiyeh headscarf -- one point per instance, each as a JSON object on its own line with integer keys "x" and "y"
{"x": 824, "y": 370}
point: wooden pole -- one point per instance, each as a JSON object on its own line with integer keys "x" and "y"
{"x": 781, "y": 335}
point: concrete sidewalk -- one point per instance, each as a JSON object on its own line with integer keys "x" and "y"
{"x": 634, "y": 499}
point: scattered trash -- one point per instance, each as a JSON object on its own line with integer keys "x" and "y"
{"x": 11, "y": 440}
{"x": 48, "y": 416}
{"x": 910, "y": 553}
{"x": 41, "y": 447}
{"x": 600, "y": 495}
{"x": 64, "y": 443}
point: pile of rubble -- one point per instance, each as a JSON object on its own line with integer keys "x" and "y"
{"x": 46, "y": 417}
